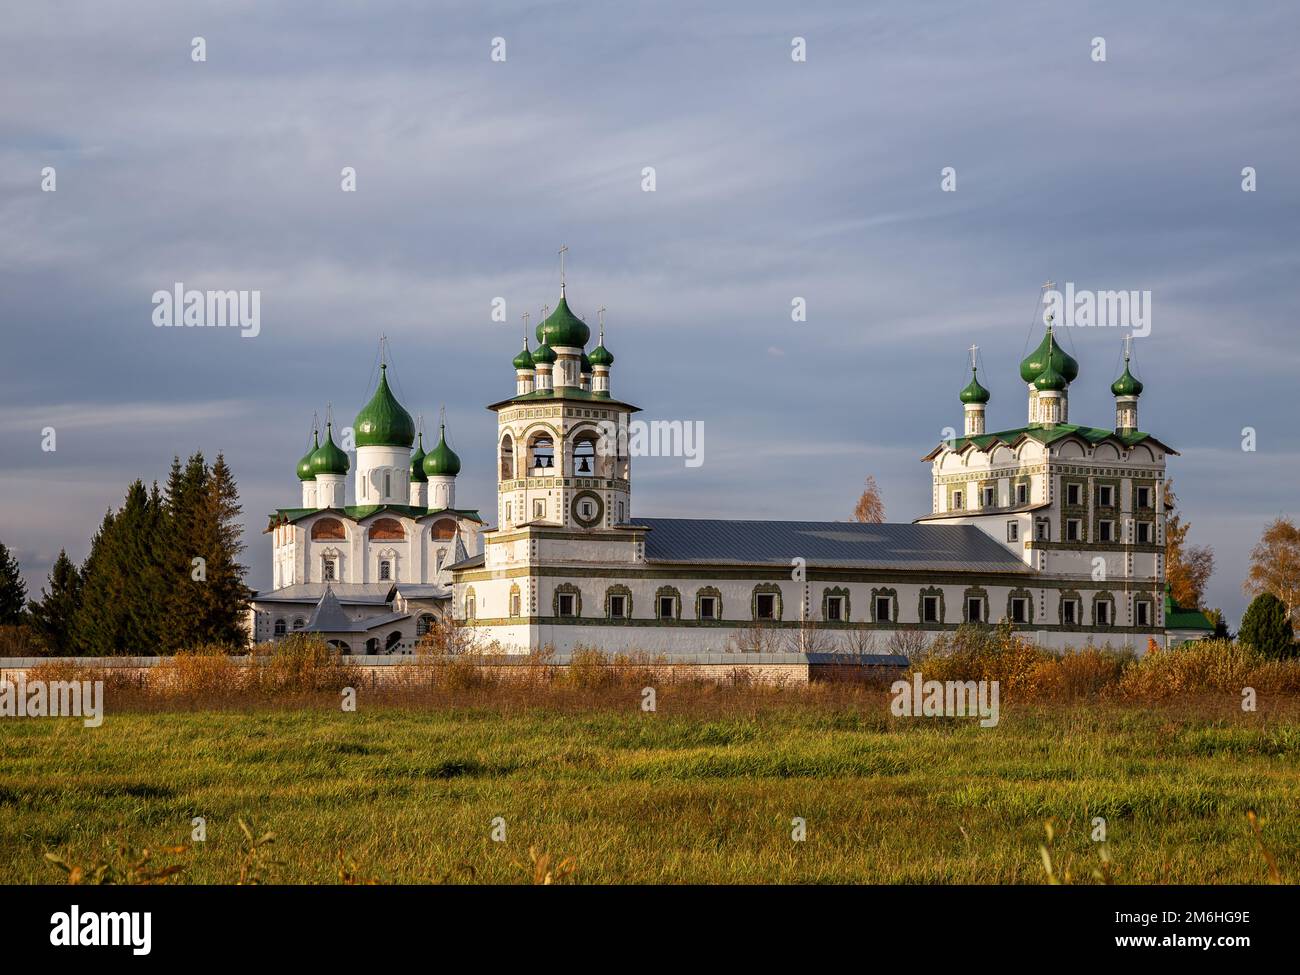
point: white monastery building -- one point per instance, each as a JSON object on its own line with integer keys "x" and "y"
{"x": 1054, "y": 527}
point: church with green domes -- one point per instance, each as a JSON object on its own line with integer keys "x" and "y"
{"x": 370, "y": 576}
{"x": 1052, "y": 527}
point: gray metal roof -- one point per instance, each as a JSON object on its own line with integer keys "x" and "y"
{"x": 329, "y": 617}
{"x": 348, "y": 593}
{"x": 827, "y": 544}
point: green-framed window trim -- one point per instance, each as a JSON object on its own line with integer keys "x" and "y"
{"x": 626, "y": 593}
{"x": 668, "y": 591}
{"x": 711, "y": 592}
{"x": 937, "y": 594}
{"x": 1028, "y": 597}
{"x": 765, "y": 589}
{"x": 566, "y": 589}
{"x": 975, "y": 592}
{"x": 1105, "y": 596}
{"x": 835, "y": 592}
{"x": 892, "y": 596}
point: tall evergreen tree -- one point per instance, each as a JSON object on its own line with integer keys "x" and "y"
{"x": 54, "y": 615}
{"x": 13, "y": 591}
{"x": 224, "y": 596}
{"x": 184, "y": 597}
{"x": 96, "y": 632}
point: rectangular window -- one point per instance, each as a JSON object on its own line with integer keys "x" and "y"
{"x": 765, "y": 606}
{"x": 835, "y": 609}
{"x": 1143, "y": 614}
{"x": 507, "y": 512}
{"x": 974, "y": 610}
{"x": 956, "y": 500}
{"x": 566, "y": 604}
{"x": 1105, "y": 531}
{"x": 328, "y": 570}
{"x": 667, "y": 607}
{"x": 1144, "y": 535}
{"x": 385, "y": 571}
{"x": 1020, "y": 610}
{"x": 618, "y": 607}
{"x": 1013, "y": 531}
{"x": 883, "y": 606}
{"x": 1072, "y": 530}
{"x": 514, "y": 604}
{"x": 708, "y": 608}
{"x": 1143, "y": 497}
{"x": 622, "y": 518}
{"x": 1105, "y": 496}
{"x": 990, "y": 497}
{"x": 930, "y": 609}
{"x": 1042, "y": 531}
{"x": 1022, "y": 494}
{"x": 1069, "y": 611}
{"x": 539, "y": 508}
{"x": 586, "y": 509}
{"x": 1103, "y": 614}
{"x": 1072, "y": 494}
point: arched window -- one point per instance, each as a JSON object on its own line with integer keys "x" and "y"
{"x": 387, "y": 529}
{"x": 299, "y": 623}
{"x": 584, "y": 456}
{"x": 280, "y": 629}
{"x": 393, "y": 640}
{"x": 424, "y": 624}
{"x": 372, "y": 645}
{"x": 541, "y": 454}
{"x": 507, "y": 458}
{"x": 327, "y": 529}
{"x": 443, "y": 529}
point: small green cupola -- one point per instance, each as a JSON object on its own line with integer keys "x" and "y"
{"x": 305, "y": 473}
{"x": 1049, "y": 380}
{"x": 1127, "y": 384}
{"x": 544, "y": 355}
{"x": 417, "y": 460}
{"x": 441, "y": 461}
{"x": 586, "y": 364}
{"x": 974, "y": 393}
{"x": 329, "y": 458}
{"x": 562, "y": 328}
{"x": 383, "y": 422}
{"x": 601, "y": 356}
{"x": 524, "y": 360}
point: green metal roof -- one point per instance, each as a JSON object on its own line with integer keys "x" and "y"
{"x": 442, "y": 461}
{"x": 417, "y": 461}
{"x": 1178, "y": 618}
{"x": 360, "y": 512}
{"x": 974, "y": 392}
{"x": 563, "y": 328}
{"x": 329, "y": 458}
{"x": 305, "y": 473}
{"x": 383, "y": 422}
{"x": 1032, "y": 366}
{"x": 1046, "y": 434}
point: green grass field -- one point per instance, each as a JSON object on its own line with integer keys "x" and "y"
{"x": 408, "y": 794}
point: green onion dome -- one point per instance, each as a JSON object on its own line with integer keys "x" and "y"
{"x": 601, "y": 356}
{"x": 586, "y": 364}
{"x": 383, "y": 422}
{"x": 544, "y": 355}
{"x": 441, "y": 461}
{"x": 563, "y": 328}
{"x": 1050, "y": 379}
{"x": 974, "y": 392}
{"x": 1036, "y": 362}
{"x": 329, "y": 458}
{"x": 417, "y": 461}
{"x": 1127, "y": 384}
{"x": 524, "y": 360}
{"x": 305, "y": 473}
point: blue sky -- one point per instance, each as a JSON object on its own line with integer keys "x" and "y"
{"x": 775, "y": 179}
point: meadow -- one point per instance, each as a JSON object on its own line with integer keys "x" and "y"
{"x": 703, "y": 790}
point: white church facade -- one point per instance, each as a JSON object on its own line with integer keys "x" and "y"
{"x": 1054, "y": 527}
